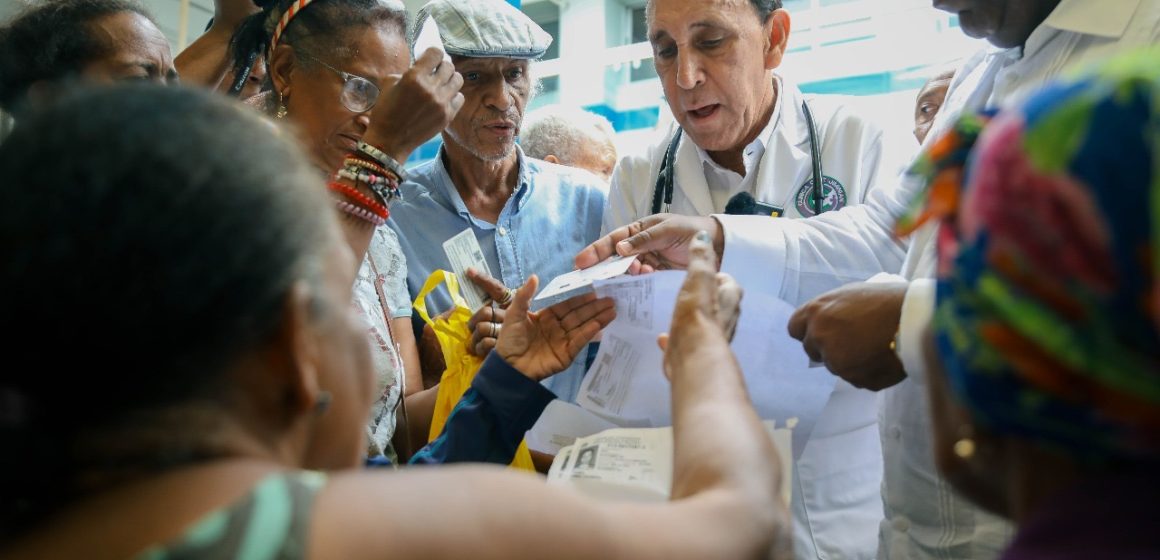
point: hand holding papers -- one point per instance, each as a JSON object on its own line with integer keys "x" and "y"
{"x": 717, "y": 448}
{"x": 577, "y": 282}
{"x": 625, "y": 380}
{"x": 463, "y": 252}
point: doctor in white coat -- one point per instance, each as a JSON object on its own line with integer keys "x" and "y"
{"x": 1034, "y": 41}
{"x": 741, "y": 128}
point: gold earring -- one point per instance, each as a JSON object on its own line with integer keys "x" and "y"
{"x": 965, "y": 446}
{"x": 282, "y": 110}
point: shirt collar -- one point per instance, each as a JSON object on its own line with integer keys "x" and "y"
{"x": 1103, "y": 19}
{"x": 1084, "y": 17}
{"x": 451, "y": 194}
{"x": 757, "y": 147}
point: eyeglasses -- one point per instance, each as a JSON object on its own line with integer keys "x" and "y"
{"x": 358, "y": 93}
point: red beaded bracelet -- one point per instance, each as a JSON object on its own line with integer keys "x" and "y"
{"x": 364, "y": 200}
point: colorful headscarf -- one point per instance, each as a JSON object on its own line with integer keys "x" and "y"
{"x": 1047, "y": 318}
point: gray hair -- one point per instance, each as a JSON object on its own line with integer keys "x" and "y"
{"x": 561, "y": 131}
{"x": 764, "y": 8}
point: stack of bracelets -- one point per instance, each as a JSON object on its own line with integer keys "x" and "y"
{"x": 379, "y": 172}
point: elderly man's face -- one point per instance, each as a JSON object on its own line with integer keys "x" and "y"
{"x": 713, "y": 58}
{"x": 135, "y": 50}
{"x": 1005, "y": 23}
{"x": 495, "y": 93}
{"x": 929, "y": 103}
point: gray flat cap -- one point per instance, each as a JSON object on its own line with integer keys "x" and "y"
{"x": 484, "y": 29}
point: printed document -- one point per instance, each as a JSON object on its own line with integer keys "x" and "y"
{"x": 626, "y": 382}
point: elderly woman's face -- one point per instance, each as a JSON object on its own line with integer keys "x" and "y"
{"x": 317, "y": 103}
{"x": 135, "y": 50}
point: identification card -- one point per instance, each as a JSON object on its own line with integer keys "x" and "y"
{"x": 463, "y": 252}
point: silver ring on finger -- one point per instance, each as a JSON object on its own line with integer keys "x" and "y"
{"x": 494, "y": 330}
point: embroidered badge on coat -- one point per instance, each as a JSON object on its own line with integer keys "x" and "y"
{"x": 833, "y": 196}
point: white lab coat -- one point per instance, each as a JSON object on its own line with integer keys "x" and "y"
{"x": 852, "y": 150}
{"x": 925, "y": 518}
{"x": 836, "y": 504}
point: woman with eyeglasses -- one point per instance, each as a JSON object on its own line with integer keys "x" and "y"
{"x": 340, "y": 75}
{"x": 330, "y": 111}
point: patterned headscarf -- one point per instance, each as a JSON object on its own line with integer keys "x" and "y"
{"x": 1047, "y": 319}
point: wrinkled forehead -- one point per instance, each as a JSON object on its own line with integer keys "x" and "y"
{"x": 131, "y": 38}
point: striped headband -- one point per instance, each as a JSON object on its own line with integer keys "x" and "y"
{"x": 291, "y": 11}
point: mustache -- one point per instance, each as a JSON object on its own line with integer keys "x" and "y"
{"x": 511, "y": 117}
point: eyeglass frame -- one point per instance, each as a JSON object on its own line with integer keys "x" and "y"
{"x": 347, "y": 77}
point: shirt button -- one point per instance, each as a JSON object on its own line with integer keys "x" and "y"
{"x": 502, "y": 231}
{"x": 901, "y": 525}
{"x": 896, "y": 432}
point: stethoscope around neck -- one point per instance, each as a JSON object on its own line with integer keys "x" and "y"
{"x": 663, "y": 190}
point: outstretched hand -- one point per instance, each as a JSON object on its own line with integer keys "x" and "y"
{"x": 542, "y": 343}
{"x": 660, "y": 241}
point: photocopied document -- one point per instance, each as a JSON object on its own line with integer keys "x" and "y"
{"x": 626, "y": 380}
{"x": 561, "y": 423}
{"x": 463, "y": 252}
{"x": 636, "y": 464}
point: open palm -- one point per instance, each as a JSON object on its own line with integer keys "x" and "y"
{"x": 545, "y": 342}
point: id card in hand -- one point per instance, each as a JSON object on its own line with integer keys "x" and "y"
{"x": 463, "y": 252}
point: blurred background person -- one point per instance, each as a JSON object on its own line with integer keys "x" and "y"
{"x": 53, "y": 42}
{"x": 929, "y": 101}
{"x": 570, "y": 136}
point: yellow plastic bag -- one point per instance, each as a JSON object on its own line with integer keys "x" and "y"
{"x": 454, "y": 338}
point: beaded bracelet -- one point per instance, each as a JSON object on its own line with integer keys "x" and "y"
{"x": 366, "y": 201}
{"x": 359, "y": 212}
{"x": 363, "y": 177}
{"x": 382, "y": 157}
{"x": 385, "y": 187}
{"x": 364, "y": 164}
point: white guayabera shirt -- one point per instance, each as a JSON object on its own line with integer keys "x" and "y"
{"x": 795, "y": 259}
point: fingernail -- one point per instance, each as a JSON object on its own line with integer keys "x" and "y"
{"x": 703, "y": 236}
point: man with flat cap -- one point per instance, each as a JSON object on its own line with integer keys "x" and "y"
{"x": 529, "y": 216}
